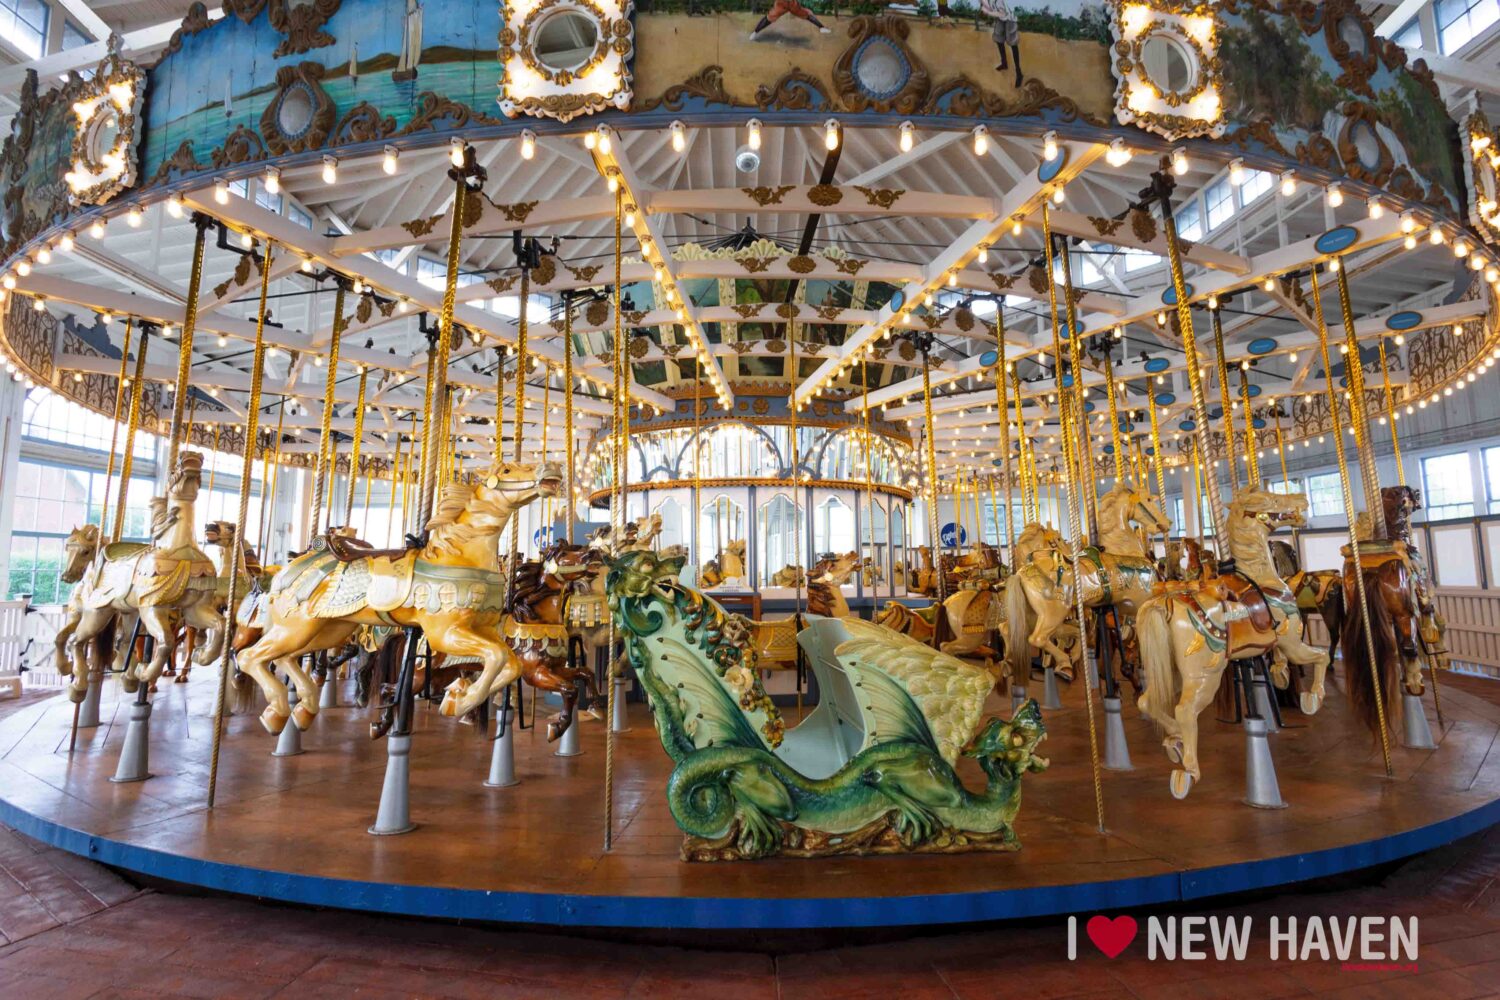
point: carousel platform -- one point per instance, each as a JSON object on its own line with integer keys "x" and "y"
{"x": 293, "y": 828}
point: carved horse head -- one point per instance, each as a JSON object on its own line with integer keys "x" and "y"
{"x": 78, "y": 552}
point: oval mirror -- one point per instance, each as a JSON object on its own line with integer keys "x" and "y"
{"x": 1168, "y": 64}
{"x": 565, "y": 40}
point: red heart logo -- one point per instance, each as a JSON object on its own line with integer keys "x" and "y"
{"x": 1111, "y": 936}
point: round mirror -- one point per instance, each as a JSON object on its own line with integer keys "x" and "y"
{"x": 294, "y": 114}
{"x": 565, "y": 40}
{"x": 880, "y": 69}
{"x": 104, "y": 132}
{"x": 1366, "y": 145}
{"x": 1352, "y": 34}
{"x": 1168, "y": 64}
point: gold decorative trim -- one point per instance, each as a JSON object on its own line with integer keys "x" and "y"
{"x": 111, "y": 100}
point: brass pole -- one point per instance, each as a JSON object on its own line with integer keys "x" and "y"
{"x": 127, "y": 462}
{"x": 1390, "y": 415}
{"x": 185, "y": 348}
{"x": 1114, "y": 416}
{"x": 437, "y": 382}
{"x": 326, "y": 452}
{"x": 1359, "y": 575}
{"x": 617, "y": 507}
{"x": 571, "y": 514}
{"x": 237, "y": 557}
{"x": 1252, "y": 461}
{"x": 114, "y": 432}
{"x": 1156, "y": 459}
{"x": 1003, "y": 411}
{"x": 359, "y": 434}
{"x": 1230, "y": 448}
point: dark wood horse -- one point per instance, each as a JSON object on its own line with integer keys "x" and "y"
{"x": 537, "y": 631}
{"x": 1404, "y": 625}
{"x": 1318, "y": 591}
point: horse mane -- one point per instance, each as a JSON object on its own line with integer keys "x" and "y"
{"x": 448, "y": 533}
{"x": 1360, "y": 685}
{"x": 1284, "y": 558}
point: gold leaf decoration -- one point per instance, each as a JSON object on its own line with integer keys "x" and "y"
{"x": 584, "y": 272}
{"x": 849, "y": 265}
{"x": 1104, "y": 226}
{"x": 596, "y": 312}
{"x": 502, "y": 285}
{"x": 421, "y": 227}
{"x": 787, "y": 310}
{"x": 830, "y": 313}
{"x": 544, "y": 272}
{"x": 824, "y": 195}
{"x": 963, "y": 319}
{"x": 1143, "y": 225}
{"x": 802, "y": 264}
{"x": 639, "y": 346}
{"x": 764, "y": 196}
{"x": 1036, "y": 277}
{"x": 518, "y": 211}
{"x": 747, "y": 309}
{"x": 755, "y": 265}
{"x": 1003, "y": 282}
{"x": 777, "y": 346}
{"x": 880, "y": 197}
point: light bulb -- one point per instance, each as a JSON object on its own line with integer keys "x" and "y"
{"x": 330, "y": 170}
{"x": 1408, "y": 222}
{"x": 223, "y": 340}
{"x": 221, "y": 191}
{"x": 1435, "y": 237}
{"x": 590, "y": 140}
{"x": 388, "y": 162}
{"x": 1049, "y": 146}
{"x": 1376, "y": 208}
{"x": 831, "y": 134}
{"x": 1237, "y": 171}
{"x": 272, "y": 182}
{"x": 456, "y": 151}
{"x": 1015, "y": 226}
{"x": 1333, "y": 265}
{"x": 1460, "y": 247}
{"x": 44, "y": 256}
{"x": 984, "y": 253}
{"x": 1179, "y": 161}
{"x": 246, "y": 240}
{"x": 1410, "y": 242}
{"x": 307, "y": 265}
{"x": 1288, "y": 184}
{"x": 23, "y": 267}
{"x": 65, "y": 244}
{"x": 981, "y": 136}
{"x": 528, "y": 144}
{"x": 1269, "y": 284}
{"x": 630, "y": 217}
{"x": 134, "y": 217}
{"x": 1118, "y": 153}
{"x": 908, "y": 136}
{"x": 1058, "y": 195}
{"x": 679, "y": 136}
{"x": 752, "y": 133}
{"x": 604, "y": 143}
{"x": 1335, "y": 195}
{"x": 174, "y": 205}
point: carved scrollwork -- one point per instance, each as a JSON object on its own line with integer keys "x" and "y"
{"x": 302, "y": 21}
{"x": 796, "y": 91}
{"x": 764, "y": 196}
{"x": 363, "y": 123}
{"x": 596, "y": 313}
{"x": 707, "y": 85}
{"x": 880, "y": 197}
{"x": 436, "y": 112}
{"x": 880, "y": 38}
{"x": 1104, "y": 226}
{"x": 849, "y": 265}
{"x": 240, "y": 146}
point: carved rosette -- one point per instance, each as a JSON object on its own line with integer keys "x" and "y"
{"x": 1166, "y": 66}
{"x": 547, "y": 84}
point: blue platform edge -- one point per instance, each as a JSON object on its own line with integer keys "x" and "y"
{"x": 586, "y": 910}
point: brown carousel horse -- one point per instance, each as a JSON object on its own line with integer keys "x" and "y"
{"x": 1318, "y": 591}
{"x": 775, "y": 642}
{"x": 1405, "y": 626}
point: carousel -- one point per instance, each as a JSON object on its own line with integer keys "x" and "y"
{"x": 712, "y": 462}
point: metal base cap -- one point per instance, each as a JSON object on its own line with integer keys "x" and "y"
{"x": 1261, "y": 789}
{"x": 1416, "y": 734}
{"x": 1051, "y": 698}
{"x": 1116, "y": 750}
{"x": 394, "y": 815}
{"x": 135, "y": 758}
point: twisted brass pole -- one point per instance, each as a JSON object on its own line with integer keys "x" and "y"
{"x": 1003, "y": 414}
{"x": 437, "y": 382}
{"x": 619, "y": 430}
{"x": 185, "y": 348}
{"x": 359, "y": 434}
{"x": 568, "y": 413}
{"x": 127, "y": 463}
{"x": 1252, "y": 461}
{"x": 237, "y": 557}
{"x": 114, "y": 431}
{"x": 1230, "y": 447}
{"x": 325, "y": 442}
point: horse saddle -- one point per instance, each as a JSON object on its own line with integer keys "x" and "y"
{"x": 347, "y": 548}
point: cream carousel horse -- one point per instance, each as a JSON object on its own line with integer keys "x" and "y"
{"x": 729, "y": 567}
{"x": 451, "y": 588}
{"x": 775, "y": 642}
{"x": 1253, "y": 515}
{"x": 1039, "y": 594}
{"x": 1192, "y": 629}
{"x": 168, "y": 583}
{"x": 79, "y": 549}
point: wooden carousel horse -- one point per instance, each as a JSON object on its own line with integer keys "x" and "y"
{"x": 220, "y": 534}
{"x": 871, "y": 572}
{"x": 1318, "y": 591}
{"x": 1191, "y": 630}
{"x": 1405, "y": 624}
{"x": 870, "y": 770}
{"x": 923, "y": 576}
{"x": 536, "y": 627}
{"x": 1255, "y": 513}
{"x": 789, "y": 576}
{"x": 168, "y": 583}
{"x": 980, "y": 564}
{"x": 450, "y": 588}
{"x": 775, "y": 642}
{"x": 79, "y": 549}
{"x": 1119, "y": 573}
{"x": 728, "y": 567}
{"x": 971, "y": 620}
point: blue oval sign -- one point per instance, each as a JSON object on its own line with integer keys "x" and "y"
{"x": 1253, "y": 391}
{"x": 898, "y": 301}
{"x": 1165, "y": 399}
{"x": 1109, "y": 449}
{"x": 1150, "y": 451}
{"x": 1169, "y": 296}
{"x": 1258, "y": 424}
{"x": 988, "y": 358}
{"x": 1216, "y": 413}
{"x": 1067, "y": 379}
{"x": 1187, "y": 425}
{"x": 1154, "y": 365}
{"x": 1403, "y": 320}
{"x": 1051, "y": 168}
{"x": 1338, "y": 239}
{"x": 1261, "y": 345}
{"x": 1088, "y": 407}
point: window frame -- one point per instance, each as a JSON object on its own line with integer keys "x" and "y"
{"x": 1430, "y": 495}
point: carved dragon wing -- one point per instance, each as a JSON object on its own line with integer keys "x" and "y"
{"x": 911, "y": 691}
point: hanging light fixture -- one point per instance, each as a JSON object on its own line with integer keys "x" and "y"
{"x": 1049, "y": 146}
{"x": 752, "y": 133}
{"x": 679, "y": 136}
{"x": 330, "y": 169}
{"x": 981, "y": 136}
{"x": 831, "y": 134}
{"x": 1118, "y": 153}
{"x": 908, "y": 136}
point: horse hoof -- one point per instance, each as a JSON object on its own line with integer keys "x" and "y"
{"x": 555, "y": 730}
{"x": 181, "y": 679}
{"x": 1311, "y": 703}
{"x": 1182, "y": 783}
{"x": 129, "y": 682}
{"x": 302, "y": 716}
{"x": 1174, "y": 751}
{"x": 273, "y": 720}
{"x": 76, "y": 695}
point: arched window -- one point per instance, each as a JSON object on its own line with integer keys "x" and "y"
{"x": 46, "y": 416}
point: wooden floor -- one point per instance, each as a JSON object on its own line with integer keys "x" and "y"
{"x": 306, "y": 817}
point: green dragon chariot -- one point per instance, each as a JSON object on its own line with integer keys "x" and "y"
{"x": 869, "y": 771}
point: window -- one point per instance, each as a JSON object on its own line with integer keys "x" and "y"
{"x": 1256, "y": 184}
{"x": 1448, "y": 486}
{"x": 1458, "y": 21}
{"x": 1284, "y": 486}
{"x": 1409, "y": 36}
{"x": 1190, "y": 221}
{"x": 23, "y": 23}
{"x": 50, "y": 501}
{"x": 53, "y": 418}
{"x": 265, "y": 199}
{"x": 1325, "y": 498}
{"x": 538, "y": 307}
{"x": 1219, "y": 197}
{"x": 1138, "y": 260}
{"x": 73, "y": 36}
{"x": 298, "y": 216}
{"x": 240, "y": 187}
{"x": 389, "y": 256}
{"x": 1492, "y": 478}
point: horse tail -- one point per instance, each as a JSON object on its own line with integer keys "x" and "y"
{"x": 1017, "y": 631}
{"x": 1332, "y": 610}
{"x": 1153, "y": 627}
{"x": 1363, "y": 679}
